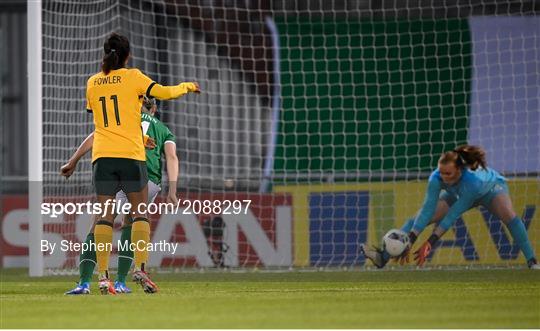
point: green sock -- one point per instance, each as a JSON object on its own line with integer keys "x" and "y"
{"x": 88, "y": 260}
{"x": 125, "y": 256}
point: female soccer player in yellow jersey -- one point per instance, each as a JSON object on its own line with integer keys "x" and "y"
{"x": 118, "y": 155}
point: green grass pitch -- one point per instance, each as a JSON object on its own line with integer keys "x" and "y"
{"x": 350, "y": 299}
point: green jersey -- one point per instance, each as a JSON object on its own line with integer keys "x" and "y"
{"x": 162, "y": 135}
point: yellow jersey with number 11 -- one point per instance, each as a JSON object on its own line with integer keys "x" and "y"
{"x": 115, "y": 101}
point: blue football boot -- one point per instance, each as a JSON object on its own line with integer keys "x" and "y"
{"x": 82, "y": 288}
{"x": 121, "y": 287}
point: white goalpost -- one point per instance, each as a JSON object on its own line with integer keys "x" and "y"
{"x": 35, "y": 139}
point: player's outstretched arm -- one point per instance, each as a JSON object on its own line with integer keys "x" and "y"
{"x": 67, "y": 169}
{"x": 463, "y": 204}
{"x": 172, "y": 92}
{"x": 426, "y": 213}
{"x": 172, "y": 171}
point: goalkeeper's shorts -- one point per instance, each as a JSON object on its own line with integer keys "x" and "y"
{"x": 499, "y": 187}
{"x": 111, "y": 174}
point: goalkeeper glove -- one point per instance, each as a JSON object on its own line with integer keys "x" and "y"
{"x": 405, "y": 257}
{"x": 422, "y": 253}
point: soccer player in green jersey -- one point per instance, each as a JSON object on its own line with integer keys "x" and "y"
{"x": 161, "y": 141}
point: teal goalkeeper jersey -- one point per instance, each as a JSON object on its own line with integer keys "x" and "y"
{"x": 162, "y": 135}
{"x": 470, "y": 188}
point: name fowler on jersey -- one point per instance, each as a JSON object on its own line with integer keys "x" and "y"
{"x": 108, "y": 80}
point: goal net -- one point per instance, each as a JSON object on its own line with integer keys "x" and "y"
{"x": 327, "y": 116}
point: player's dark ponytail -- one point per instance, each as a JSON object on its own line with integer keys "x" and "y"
{"x": 465, "y": 156}
{"x": 116, "y": 49}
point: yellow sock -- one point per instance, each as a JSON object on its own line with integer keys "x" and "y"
{"x": 140, "y": 236}
{"x": 103, "y": 234}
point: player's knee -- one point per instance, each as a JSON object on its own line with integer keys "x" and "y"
{"x": 136, "y": 216}
{"x": 104, "y": 222}
{"x": 507, "y": 216}
{"x": 139, "y": 219}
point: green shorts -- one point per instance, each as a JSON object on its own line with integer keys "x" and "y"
{"x": 112, "y": 174}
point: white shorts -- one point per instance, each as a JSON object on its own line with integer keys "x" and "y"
{"x": 153, "y": 191}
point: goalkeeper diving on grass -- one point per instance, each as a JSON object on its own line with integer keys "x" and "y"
{"x": 161, "y": 142}
{"x": 118, "y": 154}
{"x": 462, "y": 181}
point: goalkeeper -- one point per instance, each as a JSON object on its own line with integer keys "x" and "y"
{"x": 162, "y": 142}
{"x": 462, "y": 181}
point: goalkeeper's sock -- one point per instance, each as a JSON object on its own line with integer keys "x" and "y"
{"x": 87, "y": 260}
{"x": 103, "y": 233}
{"x": 407, "y": 227}
{"x": 519, "y": 233}
{"x": 140, "y": 236}
{"x": 125, "y": 255}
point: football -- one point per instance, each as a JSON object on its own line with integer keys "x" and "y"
{"x": 395, "y": 242}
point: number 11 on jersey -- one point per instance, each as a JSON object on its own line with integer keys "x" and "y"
{"x": 103, "y": 100}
